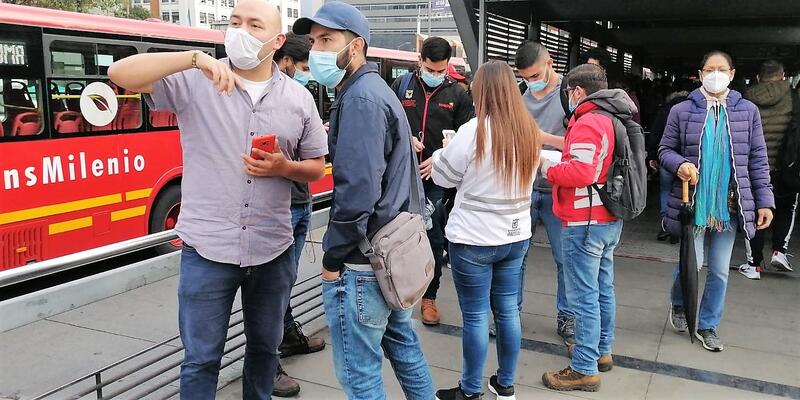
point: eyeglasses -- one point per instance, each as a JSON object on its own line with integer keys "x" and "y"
{"x": 710, "y": 70}
{"x": 568, "y": 89}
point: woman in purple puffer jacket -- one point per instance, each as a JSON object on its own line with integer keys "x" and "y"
{"x": 716, "y": 135}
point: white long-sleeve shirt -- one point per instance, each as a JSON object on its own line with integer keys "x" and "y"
{"x": 485, "y": 213}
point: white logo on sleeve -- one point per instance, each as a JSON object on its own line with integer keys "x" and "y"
{"x": 98, "y": 104}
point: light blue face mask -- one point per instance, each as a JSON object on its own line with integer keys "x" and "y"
{"x": 432, "y": 80}
{"x": 323, "y": 66}
{"x": 538, "y": 86}
{"x": 572, "y": 107}
{"x": 302, "y": 77}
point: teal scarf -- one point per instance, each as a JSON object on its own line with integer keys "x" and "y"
{"x": 711, "y": 196}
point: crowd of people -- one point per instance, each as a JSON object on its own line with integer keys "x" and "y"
{"x": 513, "y": 161}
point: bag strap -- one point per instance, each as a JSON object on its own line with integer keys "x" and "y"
{"x": 405, "y": 83}
{"x": 415, "y": 206}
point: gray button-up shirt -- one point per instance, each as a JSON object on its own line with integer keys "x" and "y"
{"x": 227, "y": 215}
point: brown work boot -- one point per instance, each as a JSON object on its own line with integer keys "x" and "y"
{"x": 430, "y": 314}
{"x": 569, "y": 379}
{"x": 296, "y": 342}
{"x": 284, "y": 385}
{"x": 605, "y": 363}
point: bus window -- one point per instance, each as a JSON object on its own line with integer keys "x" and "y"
{"x": 163, "y": 119}
{"x": 20, "y": 107}
{"x": 74, "y": 66}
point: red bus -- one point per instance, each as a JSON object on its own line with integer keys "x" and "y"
{"x": 83, "y": 162}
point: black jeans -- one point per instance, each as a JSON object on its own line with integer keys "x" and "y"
{"x": 434, "y": 194}
{"x": 782, "y": 225}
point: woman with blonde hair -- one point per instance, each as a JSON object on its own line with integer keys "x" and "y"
{"x": 492, "y": 162}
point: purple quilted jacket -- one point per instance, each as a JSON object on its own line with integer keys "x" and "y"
{"x": 681, "y": 143}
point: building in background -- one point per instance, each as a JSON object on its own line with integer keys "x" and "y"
{"x": 310, "y": 7}
{"x": 404, "y": 24}
{"x": 214, "y": 13}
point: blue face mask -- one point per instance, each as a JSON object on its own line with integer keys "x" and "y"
{"x": 323, "y": 66}
{"x": 432, "y": 80}
{"x": 572, "y": 107}
{"x": 538, "y": 86}
{"x": 302, "y": 77}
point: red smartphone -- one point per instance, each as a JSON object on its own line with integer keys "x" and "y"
{"x": 265, "y": 143}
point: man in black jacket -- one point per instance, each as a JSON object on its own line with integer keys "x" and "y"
{"x": 433, "y": 102}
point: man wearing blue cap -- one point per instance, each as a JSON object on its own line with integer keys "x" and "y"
{"x": 369, "y": 144}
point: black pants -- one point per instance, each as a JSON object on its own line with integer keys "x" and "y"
{"x": 434, "y": 194}
{"x": 782, "y": 226}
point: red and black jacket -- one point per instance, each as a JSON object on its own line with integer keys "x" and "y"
{"x": 430, "y": 111}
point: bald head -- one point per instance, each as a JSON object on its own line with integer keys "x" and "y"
{"x": 260, "y": 15}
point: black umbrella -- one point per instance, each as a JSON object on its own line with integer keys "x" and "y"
{"x": 688, "y": 262}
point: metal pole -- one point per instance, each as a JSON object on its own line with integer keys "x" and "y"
{"x": 482, "y": 25}
{"x": 430, "y": 11}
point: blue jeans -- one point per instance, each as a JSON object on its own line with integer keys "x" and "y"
{"x": 206, "y": 290}
{"x": 665, "y": 180}
{"x": 364, "y": 330}
{"x": 488, "y": 276}
{"x": 719, "y": 259}
{"x": 436, "y": 236}
{"x": 542, "y": 209}
{"x": 301, "y": 218}
{"x": 589, "y": 269}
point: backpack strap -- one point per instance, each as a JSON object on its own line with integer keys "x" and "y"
{"x": 405, "y": 83}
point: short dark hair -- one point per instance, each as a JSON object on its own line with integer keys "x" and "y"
{"x": 295, "y": 46}
{"x": 590, "y": 77}
{"x": 717, "y": 53}
{"x": 436, "y": 49}
{"x": 527, "y": 54}
{"x": 598, "y": 54}
{"x": 771, "y": 70}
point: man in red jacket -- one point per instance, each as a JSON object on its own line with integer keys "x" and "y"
{"x": 590, "y": 232}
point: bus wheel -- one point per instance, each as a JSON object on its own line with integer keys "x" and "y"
{"x": 165, "y": 215}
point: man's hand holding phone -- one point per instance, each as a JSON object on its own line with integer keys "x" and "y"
{"x": 265, "y": 158}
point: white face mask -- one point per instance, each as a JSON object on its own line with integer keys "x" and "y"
{"x": 243, "y": 48}
{"x": 716, "y": 82}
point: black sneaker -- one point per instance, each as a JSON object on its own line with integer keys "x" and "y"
{"x": 456, "y": 394}
{"x": 710, "y": 339}
{"x": 566, "y": 329}
{"x": 502, "y": 392}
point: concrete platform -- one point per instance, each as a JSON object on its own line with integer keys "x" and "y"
{"x": 761, "y": 331}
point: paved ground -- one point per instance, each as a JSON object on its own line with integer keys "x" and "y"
{"x": 761, "y": 330}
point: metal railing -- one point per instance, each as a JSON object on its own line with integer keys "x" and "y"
{"x": 153, "y": 371}
{"x": 75, "y": 260}
{"x": 70, "y": 261}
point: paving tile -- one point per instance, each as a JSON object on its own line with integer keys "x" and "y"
{"x": 47, "y": 354}
{"x": 669, "y": 388}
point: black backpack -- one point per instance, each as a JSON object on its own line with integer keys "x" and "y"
{"x": 789, "y": 155}
{"x": 625, "y": 192}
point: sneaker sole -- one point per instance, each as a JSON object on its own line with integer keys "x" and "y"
{"x": 585, "y": 388}
{"x": 755, "y": 278}
{"x": 703, "y": 342}
{"x": 287, "y": 393}
{"x": 780, "y": 267}
{"x": 430, "y": 323}
{"x": 499, "y": 396}
{"x": 672, "y": 323}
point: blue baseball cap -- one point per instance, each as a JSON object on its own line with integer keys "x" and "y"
{"x": 335, "y": 15}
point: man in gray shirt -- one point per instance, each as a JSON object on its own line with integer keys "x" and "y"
{"x": 235, "y": 220}
{"x": 543, "y": 99}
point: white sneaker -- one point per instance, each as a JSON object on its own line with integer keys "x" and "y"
{"x": 780, "y": 262}
{"x": 750, "y": 271}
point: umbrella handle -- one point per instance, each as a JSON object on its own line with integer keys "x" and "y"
{"x": 693, "y": 180}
